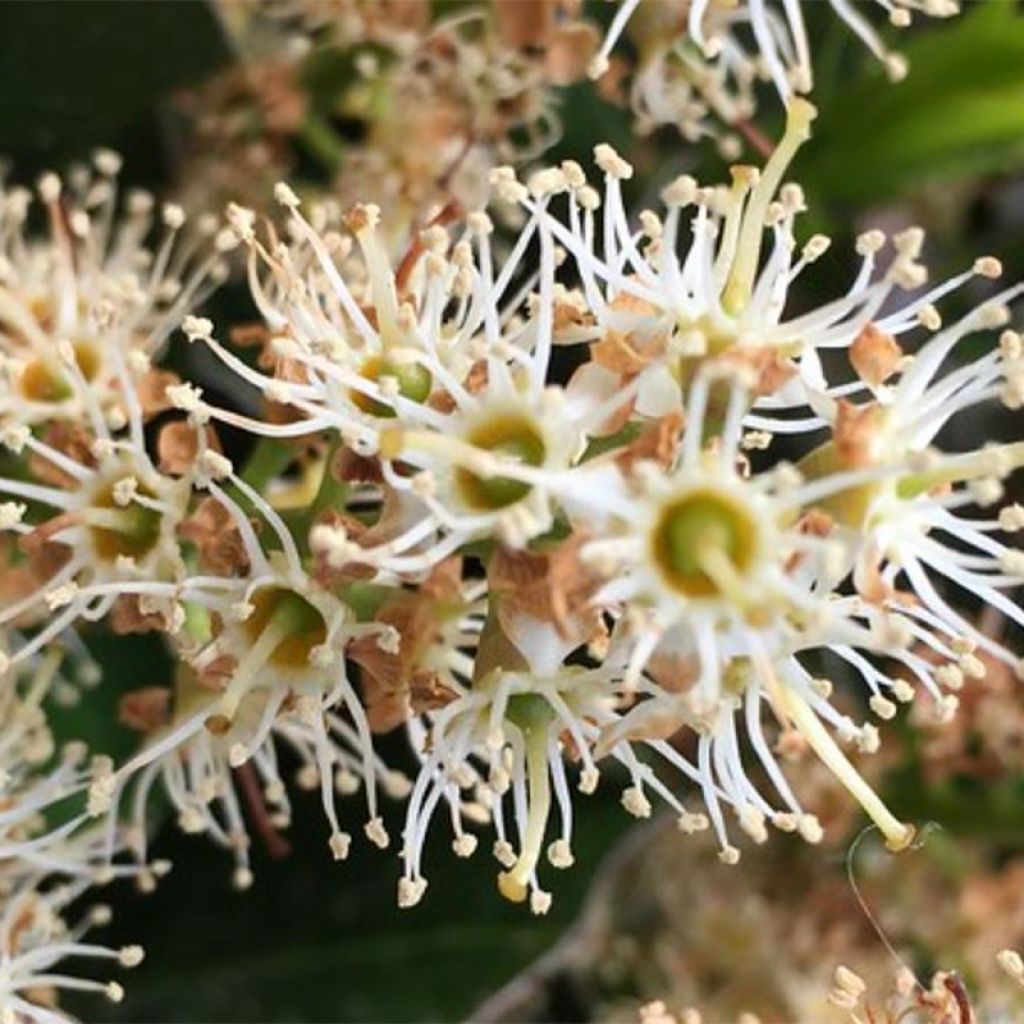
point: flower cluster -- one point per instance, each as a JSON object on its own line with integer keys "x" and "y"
{"x": 589, "y": 500}
{"x": 396, "y": 105}
{"x": 698, "y": 62}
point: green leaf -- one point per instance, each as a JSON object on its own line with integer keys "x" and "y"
{"x": 959, "y": 112}
{"x": 86, "y": 74}
{"x": 314, "y": 940}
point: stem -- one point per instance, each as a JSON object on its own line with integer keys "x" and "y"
{"x": 268, "y": 459}
{"x": 276, "y": 845}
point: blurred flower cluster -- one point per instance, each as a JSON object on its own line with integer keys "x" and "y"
{"x": 566, "y": 491}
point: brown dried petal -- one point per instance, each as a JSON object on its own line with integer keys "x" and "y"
{"x": 875, "y": 355}
{"x": 657, "y": 443}
{"x": 570, "y": 52}
{"x": 250, "y": 335}
{"x": 550, "y": 586}
{"x": 525, "y": 24}
{"x": 616, "y": 352}
{"x": 854, "y": 434}
{"x": 770, "y": 369}
{"x": 129, "y": 616}
{"x": 47, "y": 557}
{"x": 69, "y": 439}
{"x": 348, "y": 467}
{"x": 145, "y": 710}
{"x": 213, "y": 531}
{"x": 152, "y": 388}
{"x": 177, "y": 445}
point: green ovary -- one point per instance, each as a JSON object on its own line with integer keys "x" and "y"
{"x": 701, "y": 536}
{"x": 514, "y": 437}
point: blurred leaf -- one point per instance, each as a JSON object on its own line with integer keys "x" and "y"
{"x": 127, "y": 663}
{"x": 959, "y": 112}
{"x": 318, "y": 941}
{"x": 84, "y": 74}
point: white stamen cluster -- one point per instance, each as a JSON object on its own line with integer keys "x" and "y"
{"x": 702, "y": 60}
{"x": 547, "y": 584}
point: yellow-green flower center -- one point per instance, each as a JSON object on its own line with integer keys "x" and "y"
{"x": 414, "y": 383}
{"x": 510, "y": 435}
{"x": 130, "y": 532}
{"x": 290, "y": 616}
{"x": 42, "y": 380}
{"x": 704, "y": 542}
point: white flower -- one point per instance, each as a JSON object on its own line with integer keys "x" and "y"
{"x": 664, "y": 300}
{"x": 270, "y": 647}
{"x": 726, "y": 33}
{"x": 36, "y": 939}
{"x": 95, "y": 276}
{"x": 718, "y": 582}
{"x": 499, "y": 751}
{"x": 112, "y": 527}
{"x": 447, "y": 378}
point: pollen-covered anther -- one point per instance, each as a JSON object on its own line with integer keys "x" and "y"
{"x": 1011, "y": 518}
{"x": 506, "y": 187}
{"x": 242, "y": 879}
{"x": 540, "y": 902}
{"x": 943, "y": 709}
{"x": 1011, "y": 963}
{"x": 340, "y": 843}
{"x": 810, "y": 829}
{"x": 547, "y": 182}
{"x": 464, "y": 845}
{"x": 635, "y": 802}
{"x": 949, "y": 677}
{"x": 11, "y": 514}
{"x": 680, "y": 192}
{"x": 896, "y": 66}
{"x": 62, "y": 596}
{"x": 504, "y": 854}
{"x": 729, "y": 855}
{"x": 752, "y": 821}
{"x": 377, "y": 833}
{"x": 881, "y": 706}
{"x": 867, "y": 739}
{"x": 611, "y": 163}
{"x": 822, "y": 687}
{"x": 986, "y": 491}
{"x": 1012, "y": 563}
{"x": 988, "y": 266}
{"x": 285, "y": 195}
{"x": 410, "y": 891}
{"x": 130, "y": 956}
{"x": 13, "y": 437}
{"x": 197, "y": 328}
{"x": 216, "y": 465}
{"x": 756, "y": 440}
{"x": 690, "y": 823}
{"x": 870, "y": 242}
